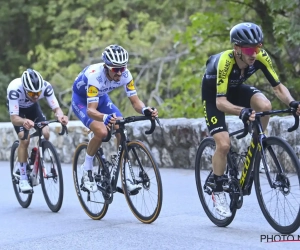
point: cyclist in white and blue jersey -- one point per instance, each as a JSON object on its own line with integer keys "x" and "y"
{"x": 92, "y": 105}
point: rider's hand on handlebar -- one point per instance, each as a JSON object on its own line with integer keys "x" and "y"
{"x": 109, "y": 120}
{"x": 28, "y": 124}
{"x": 147, "y": 111}
{"x": 247, "y": 114}
{"x": 63, "y": 119}
{"x": 295, "y": 105}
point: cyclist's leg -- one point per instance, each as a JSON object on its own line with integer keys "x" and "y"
{"x": 250, "y": 96}
{"x": 22, "y": 155}
{"x": 215, "y": 121}
{"x": 106, "y": 106}
{"x": 79, "y": 107}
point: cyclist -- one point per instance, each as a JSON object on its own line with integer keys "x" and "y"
{"x": 23, "y": 95}
{"x": 92, "y": 105}
{"x": 224, "y": 91}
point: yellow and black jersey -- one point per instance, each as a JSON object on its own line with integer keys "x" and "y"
{"x": 222, "y": 71}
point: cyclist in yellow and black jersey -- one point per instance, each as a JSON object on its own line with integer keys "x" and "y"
{"x": 224, "y": 68}
{"x": 224, "y": 91}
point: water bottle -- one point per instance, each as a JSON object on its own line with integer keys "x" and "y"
{"x": 32, "y": 155}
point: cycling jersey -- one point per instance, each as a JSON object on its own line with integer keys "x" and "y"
{"x": 223, "y": 77}
{"x": 92, "y": 83}
{"x": 17, "y": 98}
{"x": 222, "y": 71}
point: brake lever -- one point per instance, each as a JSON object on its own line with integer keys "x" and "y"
{"x": 158, "y": 121}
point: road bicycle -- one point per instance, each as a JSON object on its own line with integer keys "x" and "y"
{"x": 43, "y": 166}
{"x": 277, "y": 187}
{"x": 135, "y": 163}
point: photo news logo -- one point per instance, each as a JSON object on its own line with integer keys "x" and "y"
{"x": 279, "y": 238}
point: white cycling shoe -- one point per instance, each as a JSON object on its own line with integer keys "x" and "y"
{"x": 220, "y": 203}
{"x": 24, "y": 186}
{"x": 88, "y": 181}
{"x": 131, "y": 187}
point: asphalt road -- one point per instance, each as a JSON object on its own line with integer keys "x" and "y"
{"x": 182, "y": 223}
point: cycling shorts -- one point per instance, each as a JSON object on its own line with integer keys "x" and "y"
{"x": 105, "y": 106}
{"x": 238, "y": 95}
{"x": 33, "y": 113}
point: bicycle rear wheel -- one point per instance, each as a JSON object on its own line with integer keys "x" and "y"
{"x": 93, "y": 204}
{"x": 140, "y": 168}
{"x": 23, "y": 199}
{"x": 51, "y": 177}
{"x": 203, "y": 169}
{"x": 280, "y": 201}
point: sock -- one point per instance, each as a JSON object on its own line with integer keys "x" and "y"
{"x": 22, "y": 167}
{"x": 219, "y": 183}
{"x": 88, "y": 162}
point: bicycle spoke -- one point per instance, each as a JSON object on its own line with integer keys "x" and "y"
{"x": 92, "y": 203}
{"x": 280, "y": 202}
{"x": 51, "y": 177}
{"x": 146, "y": 201}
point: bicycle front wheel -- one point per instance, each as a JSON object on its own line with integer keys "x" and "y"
{"x": 93, "y": 204}
{"x": 23, "y": 199}
{"x": 279, "y": 195}
{"x": 51, "y": 177}
{"x": 141, "y": 170}
{"x": 203, "y": 169}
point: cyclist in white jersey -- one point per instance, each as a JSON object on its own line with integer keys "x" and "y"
{"x": 23, "y": 95}
{"x": 92, "y": 105}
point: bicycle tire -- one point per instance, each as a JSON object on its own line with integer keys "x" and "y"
{"x": 205, "y": 198}
{"x": 287, "y": 155}
{"x": 53, "y": 175}
{"x": 138, "y": 202}
{"x": 79, "y": 157}
{"x": 23, "y": 199}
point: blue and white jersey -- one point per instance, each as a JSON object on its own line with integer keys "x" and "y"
{"x": 92, "y": 83}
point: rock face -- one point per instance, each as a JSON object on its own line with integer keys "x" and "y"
{"x": 173, "y": 146}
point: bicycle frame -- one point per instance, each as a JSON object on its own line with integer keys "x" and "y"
{"x": 121, "y": 148}
{"x": 256, "y": 145}
{"x": 39, "y": 133}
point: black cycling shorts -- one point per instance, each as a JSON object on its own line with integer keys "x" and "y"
{"x": 238, "y": 95}
{"x": 33, "y": 113}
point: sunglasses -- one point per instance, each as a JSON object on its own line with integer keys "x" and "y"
{"x": 250, "y": 50}
{"x": 116, "y": 69}
{"x": 33, "y": 94}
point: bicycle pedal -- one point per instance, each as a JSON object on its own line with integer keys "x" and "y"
{"x": 120, "y": 190}
{"x": 84, "y": 189}
{"x": 97, "y": 178}
{"x": 27, "y": 192}
{"x": 134, "y": 192}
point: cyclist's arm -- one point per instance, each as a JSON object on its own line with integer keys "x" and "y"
{"x": 283, "y": 94}
{"x": 136, "y": 103}
{"x": 17, "y": 120}
{"x": 48, "y": 93}
{"x": 93, "y": 112}
{"x": 280, "y": 90}
{"x": 227, "y": 107}
{"x": 13, "y": 107}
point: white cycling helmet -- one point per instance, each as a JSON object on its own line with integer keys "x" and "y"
{"x": 32, "y": 80}
{"x": 115, "y": 56}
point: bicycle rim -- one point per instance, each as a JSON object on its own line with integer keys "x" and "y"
{"x": 93, "y": 204}
{"x": 23, "y": 199}
{"x": 145, "y": 203}
{"x": 51, "y": 177}
{"x": 280, "y": 204}
{"x": 203, "y": 168}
